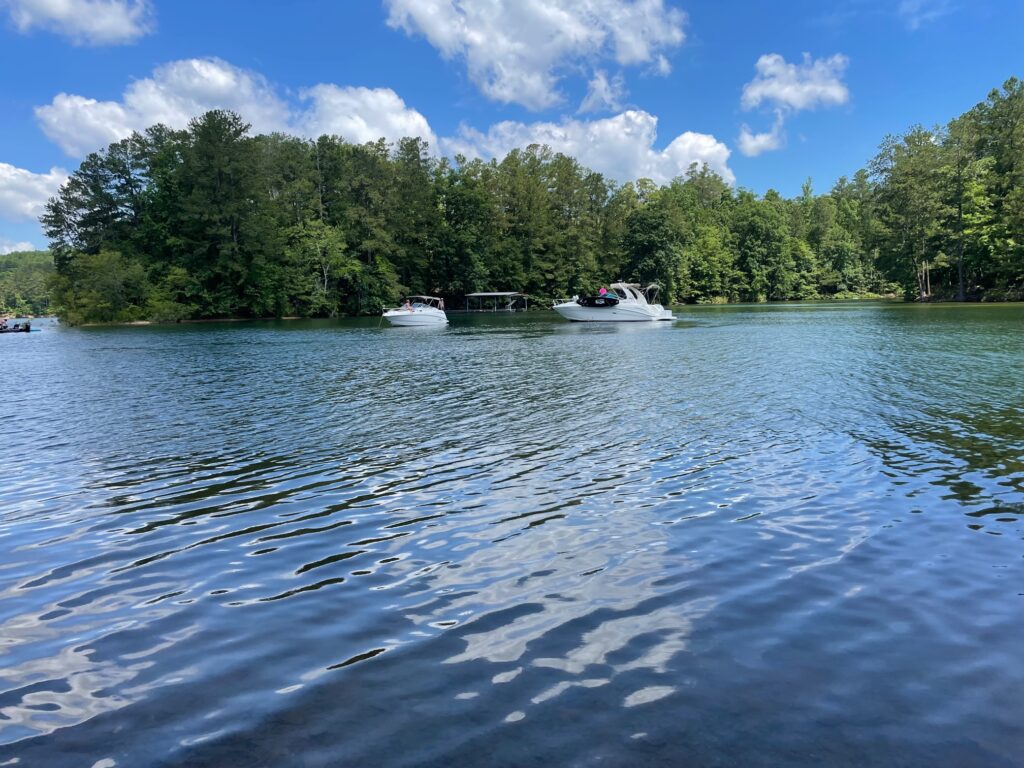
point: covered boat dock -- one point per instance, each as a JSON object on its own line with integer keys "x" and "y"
{"x": 498, "y": 301}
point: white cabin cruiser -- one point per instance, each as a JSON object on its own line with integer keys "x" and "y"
{"x": 624, "y": 303}
{"x": 418, "y": 311}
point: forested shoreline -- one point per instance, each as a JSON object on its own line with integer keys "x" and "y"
{"x": 212, "y": 222}
{"x": 24, "y": 283}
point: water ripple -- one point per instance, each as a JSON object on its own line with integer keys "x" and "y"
{"x": 765, "y": 536}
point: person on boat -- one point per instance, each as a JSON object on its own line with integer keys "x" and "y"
{"x": 407, "y": 305}
{"x": 602, "y": 292}
{"x": 440, "y": 304}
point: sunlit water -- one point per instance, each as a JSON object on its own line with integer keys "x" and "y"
{"x": 761, "y": 536}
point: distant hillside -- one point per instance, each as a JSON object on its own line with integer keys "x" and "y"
{"x": 24, "y": 277}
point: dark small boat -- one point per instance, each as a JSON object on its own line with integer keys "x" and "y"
{"x": 16, "y": 327}
{"x": 598, "y": 302}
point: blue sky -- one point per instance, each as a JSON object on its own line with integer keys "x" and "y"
{"x": 767, "y": 93}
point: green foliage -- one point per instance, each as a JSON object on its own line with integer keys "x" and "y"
{"x": 714, "y": 276}
{"x": 316, "y": 253}
{"x": 656, "y": 254}
{"x": 23, "y": 283}
{"x": 212, "y": 222}
{"x": 950, "y": 203}
{"x": 170, "y": 300}
{"x": 102, "y": 287}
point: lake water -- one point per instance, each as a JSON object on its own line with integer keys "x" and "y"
{"x": 761, "y": 536}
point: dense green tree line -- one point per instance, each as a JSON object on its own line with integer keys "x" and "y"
{"x": 213, "y": 222}
{"x": 950, "y": 203}
{"x": 24, "y": 288}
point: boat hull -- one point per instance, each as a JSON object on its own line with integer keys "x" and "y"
{"x": 416, "y": 318}
{"x": 622, "y": 312}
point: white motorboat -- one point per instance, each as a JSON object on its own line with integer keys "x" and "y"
{"x": 418, "y": 311}
{"x": 624, "y": 303}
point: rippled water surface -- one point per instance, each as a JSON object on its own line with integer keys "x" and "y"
{"x": 761, "y": 536}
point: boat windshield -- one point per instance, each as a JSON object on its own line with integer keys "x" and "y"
{"x": 422, "y": 302}
{"x": 626, "y": 292}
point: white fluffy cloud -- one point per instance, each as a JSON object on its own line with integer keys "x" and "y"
{"x": 181, "y": 90}
{"x": 10, "y": 246}
{"x": 360, "y": 115}
{"x": 24, "y": 193}
{"x": 603, "y": 93}
{"x": 91, "y": 22}
{"x": 790, "y": 88}
{"x": 621, "y": 147}
{"x": 753, "y": 144}
{"x": 797, "y": 87}
{"x": 174, "y": 94}
{"x": 515, "y": 50}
